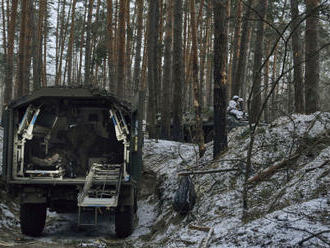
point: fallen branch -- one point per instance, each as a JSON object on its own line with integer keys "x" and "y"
{"x": 186, "y": 173}
{"x": 205, "y": 244}
{"x": 318, "y": 167}
{"x": 315, "y": 235}
{"x": 304, "y": 230}
{"x": 200, "y": 228}
{"x": 272, "y": 169}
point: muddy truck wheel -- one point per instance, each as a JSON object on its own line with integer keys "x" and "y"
{"x": 32, "y": 218}
{"x": 124, "y": 222}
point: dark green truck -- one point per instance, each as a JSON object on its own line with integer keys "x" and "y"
{"x": 72, "y": 149}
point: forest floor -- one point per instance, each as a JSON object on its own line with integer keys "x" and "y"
{"x": 288, "y": 208}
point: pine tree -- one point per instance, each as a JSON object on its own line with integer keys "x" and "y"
{"x": 220, "y": 88}
{"x": 312, "y": 76}
{"x": 177, "y": 71}
{"x": 255, "y": 106}
{"x": 10, "y": 53}
{"x": 297, "y": 58}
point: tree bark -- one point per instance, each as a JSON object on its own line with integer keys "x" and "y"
{"x": 167, "y": 76}
{"x": 266, "y": 82}
{"x": 4, "y": 27}
{"x": 110, "y": 44}
{"x": 177, "y": 71}
{"x": 21, "y": 50}
{"x": 297, "y": 58}
{"x": 236, "y": 52}
{"x": 121, "y": 49}
{"x": 128, "y": 58}
{"x": 312, "y": 69}
{"x": 57, "y": 42}
{"x": 63, "y": 30}
{"x": 28, "y": 47}
{"x": 88, "y": 43}
{"x": 82, "y": 37}
{"x": 44, "y": 61}
{"x": 70, "y": 44}
{"x": 195, "y": 83}
{"x": 10, "y": 55}
{"x": 137, "y": 62}
{"x": 153, "y": 17}
{"x": 37, "y": 60}
{"x": 241, "y": 64}
{"x": 220, "y": 88}
{"x": 255, "y": 107}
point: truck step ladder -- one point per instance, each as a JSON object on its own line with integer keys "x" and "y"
{"x": 101, "y": 189}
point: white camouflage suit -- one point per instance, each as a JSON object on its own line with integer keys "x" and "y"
{"x": 233, "y": 109}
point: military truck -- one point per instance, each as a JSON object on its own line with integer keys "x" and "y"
{"x": 72, "y": 149}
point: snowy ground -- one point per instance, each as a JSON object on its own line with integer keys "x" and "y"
{"x": 289, "y": 209}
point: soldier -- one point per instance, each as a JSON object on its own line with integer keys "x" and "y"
{"x": 233, "y": 108}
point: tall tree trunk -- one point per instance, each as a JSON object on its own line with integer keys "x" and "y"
{"x": 177, "y": 71}
{"x": 121, "y": 49}
{"x": 4, "y": 27}
{"x": 28, "y": 47}
{"x": 312, "y": 69}
{"x": 10, "y": 55}
{"x": 137, "y": 62}
{"x": 153, "y": 17}
{"x": 70, "y": 45}
{"x": 236, "y": 52}
{"x": 255, "y": 106}
{"x": 274, "y": 95}
{"x": 210, "y": 61}
{"x": 88, "y": 43}
{"x": 115, "y": 47}
{"x": 37, "y": 60}
{"x": 82, "y": 38}
{"x": 57, "y": 42}
{"x": 160, "y": 58}
{"x": 203, "y": 38}
{"x": 61, "y": 42}
{"x": 110, "y": 43}
{"x": 44, "y": 62}
{"x": 195, "y": 83}
{"x": 241, "y": 64}
{"x": 21, "y": 50}
{"x": 297, "y": 58}
{"x": 64, "y": 32}
{"x": 167, "y": 76}
{"x": 220, "y": 88}
{"x": 94, "y": 41}
{"x": 128, "y": 62}
{"x": 266, "y": 82}
{"x": 143, "y": 84}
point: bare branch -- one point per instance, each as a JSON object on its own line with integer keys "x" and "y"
{"x": 185, "y": 173}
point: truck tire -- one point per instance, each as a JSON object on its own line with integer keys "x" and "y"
{"x": 32, "y": 218}
{"x": 124, "y": 222}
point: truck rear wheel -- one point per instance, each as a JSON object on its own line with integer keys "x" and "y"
{"x": 32, "y": 218}
{"x": 124, "y": 222}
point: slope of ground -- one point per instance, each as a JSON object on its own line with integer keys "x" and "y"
{"x": 286, "y": 208}
{"x": 289, "y": 208}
